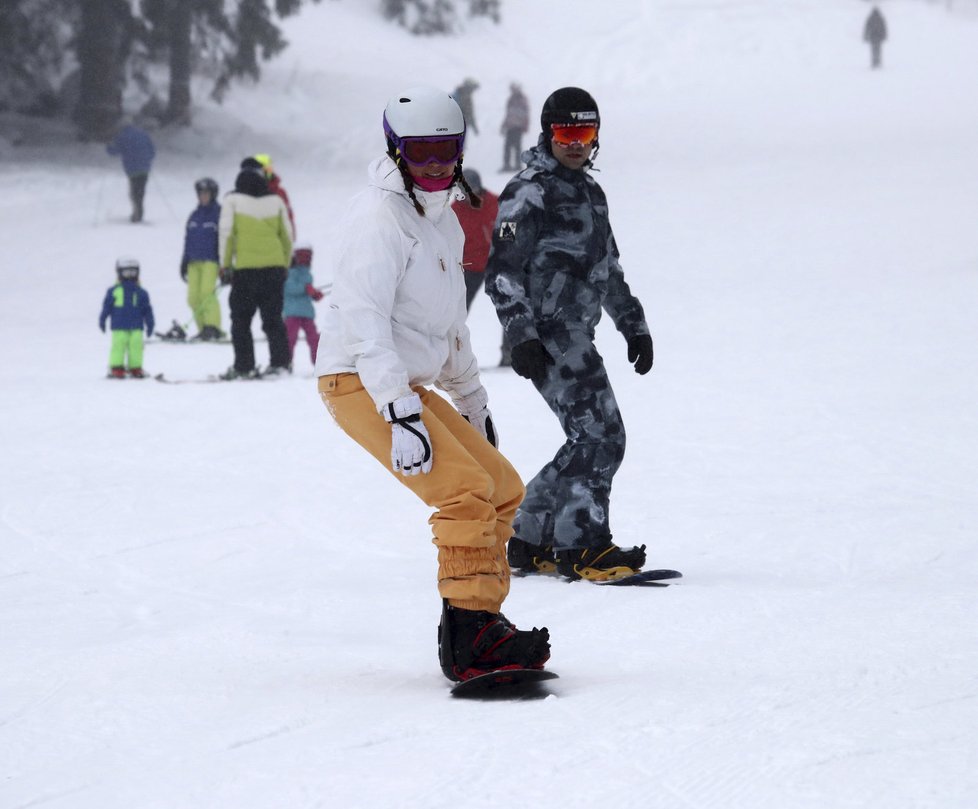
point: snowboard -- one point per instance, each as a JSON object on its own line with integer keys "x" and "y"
{"x": 207, "y": 380}
{"x": 644, "y": 578}
{"x": 160, "y": 340}
{"x": 261, "y": 377}
{"x": 505, "y": 684}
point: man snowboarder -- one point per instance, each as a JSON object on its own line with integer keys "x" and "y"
{"x": 552, "y": 269}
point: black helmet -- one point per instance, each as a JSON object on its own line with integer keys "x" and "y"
{"x": 127, "y": 269}
{"x": 569, "y": 105}
{"x": 206, "y": 184}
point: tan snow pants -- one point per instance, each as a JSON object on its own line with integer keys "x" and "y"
{"x": 474, "y": 490}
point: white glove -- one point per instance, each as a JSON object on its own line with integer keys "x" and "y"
{"x": 410, "y": 443}
{"x": 474, "y": 409}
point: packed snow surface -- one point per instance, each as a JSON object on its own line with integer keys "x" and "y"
{"x": 210, "y": 597}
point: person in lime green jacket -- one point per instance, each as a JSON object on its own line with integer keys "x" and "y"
{"x": 255, "y": 239}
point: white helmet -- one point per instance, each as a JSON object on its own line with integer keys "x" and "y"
{"x": 127, "y": 269}
{"x": 422, "y": 112}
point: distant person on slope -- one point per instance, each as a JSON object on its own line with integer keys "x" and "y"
{"x": 874, "y": 32}
{"x": 274, "y": 181}
{"x": 463, "y": 95}
{"x": 200, "y": 263}
{"x": 255, "y": 239}
{"x": 135, "y": 147}
{"x": 127, "y": 309}
{"x": 553, "y": 268}
{"x": 477, "y": 225}
{"x": 300, "y": 295}
{"x": 516, "y": 123}
{"x": 395, "y": 326}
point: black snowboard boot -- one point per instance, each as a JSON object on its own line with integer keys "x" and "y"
{"x": 176, "y": 334}
{"x": 526, "y": 558}
{"x": 473, "y": 642}
{"x": 601, "y": 563}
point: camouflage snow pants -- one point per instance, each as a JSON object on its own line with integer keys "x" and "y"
{"x": 567, "y": 503}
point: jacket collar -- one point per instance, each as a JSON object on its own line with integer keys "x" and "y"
{"x": 384, "y": 174}
{"x": 540, "y": 158}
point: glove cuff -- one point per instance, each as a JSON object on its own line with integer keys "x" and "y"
{"x": 472, "y": 403}
{"x": 402, "y": 409}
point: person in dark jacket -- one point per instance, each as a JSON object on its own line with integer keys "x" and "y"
{"x": 127, "y": 309}
{"x": 463, "y": 97}
{"x": 874, "y": 32}
{"x": 552, "y": 269}
{"x": 516, "y": 123}
{"x": 135, "y": 147}
{"x": 201, "y": 262}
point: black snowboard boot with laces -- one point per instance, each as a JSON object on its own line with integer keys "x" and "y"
{"x": 474, "y": 642}
{"x": 601, "y": 563}
{"x": 526, "y": 558}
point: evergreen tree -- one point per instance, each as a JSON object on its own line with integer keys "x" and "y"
{"x": 236, "y": 37}
{"x": 435, "y": 16}
{"x": 104, "y": 40}
{"x": 34, "y": 35}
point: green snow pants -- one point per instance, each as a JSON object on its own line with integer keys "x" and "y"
{"x": 202, "y": 293}
{"x": 126, "y": 341}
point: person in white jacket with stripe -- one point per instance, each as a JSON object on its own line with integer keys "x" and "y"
{"x": 395, "y": 326}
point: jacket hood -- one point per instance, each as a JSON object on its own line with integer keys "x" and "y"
{"x": 251, "y": 183}
{"x": 384, "y": 174}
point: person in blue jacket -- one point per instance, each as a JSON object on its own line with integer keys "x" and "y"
{"x": 128, "y": 310}
{"x": 199, "y": 266}
{"x": 135, "y": 147}
{"x": 299, "y": 294}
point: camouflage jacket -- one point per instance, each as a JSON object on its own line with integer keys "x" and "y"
{"x": 554, "y": 261}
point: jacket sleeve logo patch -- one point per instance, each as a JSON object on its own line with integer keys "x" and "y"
{"x": 507, "y": 231}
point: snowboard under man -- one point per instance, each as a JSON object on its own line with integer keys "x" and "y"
{"x": 552, "y": 269}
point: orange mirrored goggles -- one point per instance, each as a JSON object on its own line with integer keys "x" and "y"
{"x": 566, "y": 134}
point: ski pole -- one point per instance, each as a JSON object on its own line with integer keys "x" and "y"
{"x": 159, "y": 190}
{"x": 98, "y": 201}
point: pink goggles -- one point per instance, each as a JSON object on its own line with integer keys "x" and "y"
{"x": 421, "y": 151}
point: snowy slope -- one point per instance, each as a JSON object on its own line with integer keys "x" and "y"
{"x": 210, "y": 598}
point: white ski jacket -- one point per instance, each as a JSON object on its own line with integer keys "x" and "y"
{"x": 396, "y": 312}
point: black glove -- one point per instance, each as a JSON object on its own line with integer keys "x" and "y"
{"x": 530, "y": 360}
{"x": 224, "y": 274}
{"x": 102, "y": 327}
{"x": 640, "y": 353}
{"x": 183, "y": 271}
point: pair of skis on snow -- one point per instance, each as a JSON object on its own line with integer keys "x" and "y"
{"x": 215, "y": 378}
{"x": 517, "y": 683}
